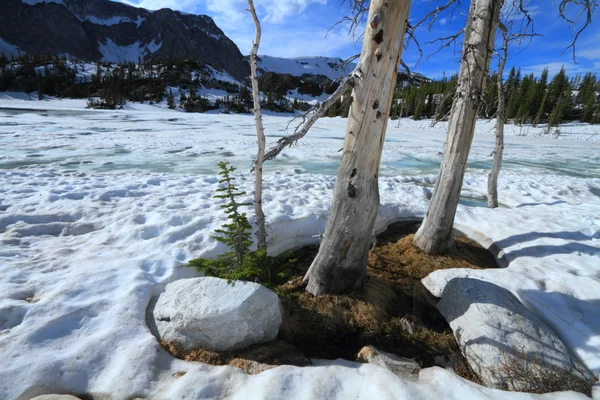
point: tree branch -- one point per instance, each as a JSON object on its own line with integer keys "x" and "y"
{"x": 299, "y": 133}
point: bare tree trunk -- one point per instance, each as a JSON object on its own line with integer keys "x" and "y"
{"x": 499, "y": 146}
{"x": 341, "y": 262}
{"x": 261, "y": 233}
{"x": 435, "y": 234}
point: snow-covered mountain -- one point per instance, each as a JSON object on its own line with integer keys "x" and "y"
{"x": 103, "y": 30}
{"x": 333, "y": 68}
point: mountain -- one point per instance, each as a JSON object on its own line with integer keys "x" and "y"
{"x": 332, "y": 68}
{"x": 103, "y": 30}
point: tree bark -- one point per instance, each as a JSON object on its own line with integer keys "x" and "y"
{"x": 261, "y": 232}
{"x": 341, "y": 262}
{"x": 435, "y": 234}
{"x": 499, "y": 146}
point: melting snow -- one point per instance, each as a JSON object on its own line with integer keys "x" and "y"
{"x": 100, "y": 209}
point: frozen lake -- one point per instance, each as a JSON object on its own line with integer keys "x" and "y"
{"x": 99, "y": 210}
{"x": 177, "y": 143}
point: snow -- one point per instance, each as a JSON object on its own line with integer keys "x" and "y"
{"x": 33, "y": 2}
{"x": 9, "y": 49}
{"x": 305, "y": 65}
{"x": 571, "y": 131}
{"x": 112, "y": 52}
{"x": 222, "y": 76}
{"x": 99, "y": 210}
{"x": 115, "y": 20}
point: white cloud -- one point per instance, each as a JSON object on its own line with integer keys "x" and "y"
{"x": 283, "y": 35}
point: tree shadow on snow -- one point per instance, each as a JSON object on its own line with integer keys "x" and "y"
{"x": 578, "y": 325}
{"x": 554, "y": 203}
{"x": 545, "y": 250}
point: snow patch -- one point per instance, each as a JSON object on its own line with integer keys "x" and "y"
{"x": 115, "y": 20}
{"x": 9, "y": 49}
{"x": 33, "y": 2}
{"x": 332, "y": 68}
{"x": 112, "y": 52}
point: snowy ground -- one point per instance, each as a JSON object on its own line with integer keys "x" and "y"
{"x": 99, "y": 210}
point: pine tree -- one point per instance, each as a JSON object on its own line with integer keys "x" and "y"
{"x": 236, "y": 234}
{"x": 587, "y": 115}
{"x": 171, "y": 100}
{"x": 596, "y": 117}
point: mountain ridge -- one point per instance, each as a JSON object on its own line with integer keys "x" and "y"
{"x": 115, "y": 32}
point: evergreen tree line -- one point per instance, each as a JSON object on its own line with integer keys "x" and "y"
{"x": 112, "y": 85}
{"x": 529, "y": 100}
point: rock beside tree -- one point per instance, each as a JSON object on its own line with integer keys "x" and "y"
{"x": 401, "y": 367}
{"x": 212, "y": 314}
{"x": 507, "y": 345}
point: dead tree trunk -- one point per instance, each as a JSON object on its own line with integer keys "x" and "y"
{"x": 499, "y": 146}
{"x": 341, "y": 262}
{"x": 261, "y": 233}
{"x": 435, "y": 234}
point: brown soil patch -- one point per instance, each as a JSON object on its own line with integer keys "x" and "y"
{"x": 392, "y": 311}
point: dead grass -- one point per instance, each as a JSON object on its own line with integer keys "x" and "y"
{"x": 392, "y": 311}
{"x": 530, "y": 374}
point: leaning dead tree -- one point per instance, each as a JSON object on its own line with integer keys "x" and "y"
{"x": 516, "y": 26}
{"x": 341, "y": 262}
{"x": 499, "y": 144}
{"x": 435, "y": 234}
{"x": 261, "y": 233}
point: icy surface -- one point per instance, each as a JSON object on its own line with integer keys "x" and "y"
{"x": 99, "y": 210}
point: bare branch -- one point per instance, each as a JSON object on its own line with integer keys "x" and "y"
{"x": 587, "y": 8}
{"x": 289, "y": 140}
{"x": 358, "y": 10}
{"x": 446, "y": 41}
{"x": 433, "y": 15}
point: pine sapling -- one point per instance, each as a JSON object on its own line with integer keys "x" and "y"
{"x": 235, "y": 234}
{"x": 241, "y": 263}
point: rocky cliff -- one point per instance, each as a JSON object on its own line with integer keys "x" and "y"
{"x": 102, "y": 30}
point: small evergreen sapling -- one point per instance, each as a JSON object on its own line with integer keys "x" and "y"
{"x": 235, "y": 234}
{"x": 241, "y": 263}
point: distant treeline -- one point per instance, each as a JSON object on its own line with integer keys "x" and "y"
{"x": 529, "y": 100}
{"x": 110, "y": 86}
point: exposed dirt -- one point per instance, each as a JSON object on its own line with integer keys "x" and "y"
{"x": 392, "y": 311}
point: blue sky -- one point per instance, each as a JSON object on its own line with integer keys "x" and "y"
{"x": 295, "y": 28}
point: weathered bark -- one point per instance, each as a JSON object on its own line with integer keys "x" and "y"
{"x": 435, "y": 234}
{"x": 499, "y": 146}
{"x": 261, "y": 233}
{"x": 341, "y": 262}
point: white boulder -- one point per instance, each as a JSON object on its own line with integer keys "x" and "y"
{"x": 213, "y": 314}
{"x": 507, "y": 345}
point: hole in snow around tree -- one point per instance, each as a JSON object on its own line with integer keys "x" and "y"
{"x": 392, "y": 311}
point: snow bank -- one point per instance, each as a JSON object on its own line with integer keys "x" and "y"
{"x": 100, "y": 210}
{"x": 569, "y": 131}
